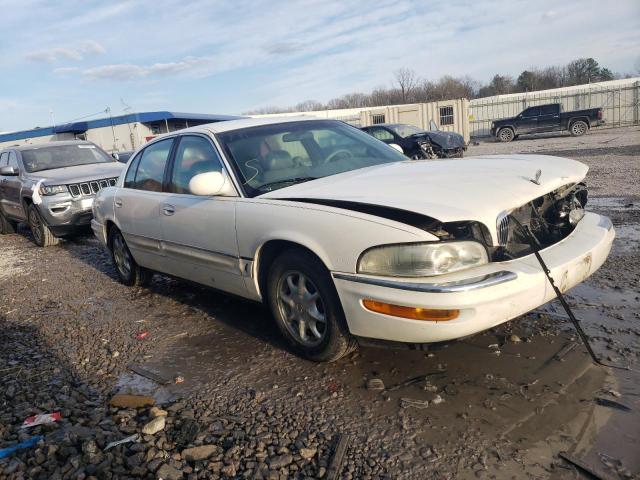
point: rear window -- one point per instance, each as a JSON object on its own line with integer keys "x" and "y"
{"x": 51, "y": 157}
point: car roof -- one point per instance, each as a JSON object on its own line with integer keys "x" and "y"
{"x": 61, "y": 143}
{"x": 230, "y": 125}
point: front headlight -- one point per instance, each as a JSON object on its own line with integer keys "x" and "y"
{"x": 52, "y": 189}
{"x": 422, "y": 259}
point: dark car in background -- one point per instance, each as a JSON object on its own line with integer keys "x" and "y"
{"x": 51, "y": 187}
{"x": 547, "y": 118}
{"x": 417, "y": 143}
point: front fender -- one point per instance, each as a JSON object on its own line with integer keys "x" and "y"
{"x": 337, "y": 236}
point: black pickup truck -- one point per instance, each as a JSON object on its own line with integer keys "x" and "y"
{"x": 547, "y": 118}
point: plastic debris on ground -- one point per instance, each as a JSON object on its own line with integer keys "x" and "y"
{"x": 5, "y": 452}
{"x": 131, "y": 438}
{"x": 142, "y": 335}
{"x": 41, "y": 419}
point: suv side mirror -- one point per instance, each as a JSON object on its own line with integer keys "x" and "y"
{"x": 212, "y": 183}
{"x": 9, "y": 171}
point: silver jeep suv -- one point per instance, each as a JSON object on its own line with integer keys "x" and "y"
{"x": 51, "y": 187}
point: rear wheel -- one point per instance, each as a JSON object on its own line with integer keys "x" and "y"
{"x": 7, "y": 226}
{"x": 306, "y": 307}
{"x": 506, "y": 134}
{"x": 42, "y": 235}
{"x": 129, "y": 272}
{"x": 578, "y": 128}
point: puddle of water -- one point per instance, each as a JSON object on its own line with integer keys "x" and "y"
{"x": 611, "y": 203}
{"x": 134, "y": 384}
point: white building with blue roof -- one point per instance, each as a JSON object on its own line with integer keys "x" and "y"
{"x": 113, "y": 134}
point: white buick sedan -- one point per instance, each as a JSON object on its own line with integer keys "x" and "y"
{"x": 345, "y": 239}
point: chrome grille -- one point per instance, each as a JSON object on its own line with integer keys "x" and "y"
{"x": 502, "y": 226}
{"x": 86, "y": 189}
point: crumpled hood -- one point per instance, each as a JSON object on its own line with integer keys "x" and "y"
{"x": 473, "y": 188}
{"x": 445, "y": 140}
{"x": 79, "y": 173}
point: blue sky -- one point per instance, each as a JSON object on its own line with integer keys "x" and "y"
{"x": 220, "y": 56}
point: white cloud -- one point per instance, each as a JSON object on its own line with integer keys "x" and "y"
{"x": 51, "y": 55}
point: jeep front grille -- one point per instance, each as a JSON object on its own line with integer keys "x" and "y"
{"x": 86, "y": 189}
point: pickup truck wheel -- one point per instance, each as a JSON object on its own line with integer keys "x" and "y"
{"x": 7, "y": 226}
{"x": 506, "y": 134}
{"x": 129, "y": 272}
{"x": 306, "y": 307}
{"x": 578, "y": 128}
{"x": 41, "y": 232}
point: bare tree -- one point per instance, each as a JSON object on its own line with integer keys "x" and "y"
{"x": 407, "y": 81}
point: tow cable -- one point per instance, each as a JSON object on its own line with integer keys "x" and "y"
{"x": 535, "y": 246}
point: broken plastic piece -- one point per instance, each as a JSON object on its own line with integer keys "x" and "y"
{"x": 131, "y": 438}
{"x": 142, "y": 335}
{"x": 410, "y": 402}
{"x": 5, "y": 452}
{"x": 41, "y": 419}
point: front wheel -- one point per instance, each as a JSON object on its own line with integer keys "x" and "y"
{"x": 42, "y": 235}
{"x": 506, "y": 135}
{"x": 306, "y": 307}
{"x": 129, "y": 272}
{"x": 578, "y": 128}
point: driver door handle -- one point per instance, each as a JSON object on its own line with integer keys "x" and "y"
{"x": 168, "y": 209}
{"x": 118, "y": 203}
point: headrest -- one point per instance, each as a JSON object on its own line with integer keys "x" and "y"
{"x": 278, "y": 160}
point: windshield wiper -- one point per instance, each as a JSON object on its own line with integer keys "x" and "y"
{"x": 269, "y": 186}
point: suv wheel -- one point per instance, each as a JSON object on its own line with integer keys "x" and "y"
{"x": 129, "y": 272}
{"x": 306, "y": 307}
{"x": 506, "y": 134}
{"x": 41, "y": 232}
{"x": 579, "y": 128}
{"x": 7, "y": 226}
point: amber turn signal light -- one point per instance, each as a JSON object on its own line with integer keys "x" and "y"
{"x": 413, "y": 313}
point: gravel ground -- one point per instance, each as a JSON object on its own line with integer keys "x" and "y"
{"x": 233, "y": 403}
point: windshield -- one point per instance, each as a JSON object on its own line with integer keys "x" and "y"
{"x": 270, "y": 157}
{"x": 405, "y": 131}
{"x": 50, "y": 157}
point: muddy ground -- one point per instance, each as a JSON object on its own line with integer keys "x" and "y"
{"x": 502, "y": 404}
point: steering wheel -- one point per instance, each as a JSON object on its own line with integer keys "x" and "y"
{"x": 334, "y": 155}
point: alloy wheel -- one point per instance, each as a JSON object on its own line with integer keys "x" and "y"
{"x": 35, "y": 223}
{"x": 302, "y": 308}
{"x": 121, "y": 255}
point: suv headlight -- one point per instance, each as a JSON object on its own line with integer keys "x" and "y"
{"x": 422, "y": 259}
{"x": 52, "y": 189}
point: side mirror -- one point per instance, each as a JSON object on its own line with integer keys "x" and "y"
{"x": 212, "y": 183}
{"x": 116, "y": 156}
{"x": 9, "y": 171}
{"x": 397, "y": 147}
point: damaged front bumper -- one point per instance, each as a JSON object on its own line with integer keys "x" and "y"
{"x": 486, "y": 296}
{"x": 65, "y": 215}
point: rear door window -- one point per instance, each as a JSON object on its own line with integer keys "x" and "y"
{"x": 531, "y": 112}
{"x": 151, "y": 167}
{"x": 3, "y": 159}
{"x": 381, "y": 134}
{"x": 549, "y": 110}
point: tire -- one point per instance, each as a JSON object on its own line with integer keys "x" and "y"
{"x": 578, "y": 128}
{"x": 7, "y": 226}
{"x": 41, "y": 232}
{"x": 129, "y": 272}
{"x": 290, "y": 302}
{"x": 506, "y": 134}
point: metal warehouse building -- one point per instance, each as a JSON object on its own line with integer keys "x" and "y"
{"x": 113, "y": 134}
{"x": 447, "y": 115}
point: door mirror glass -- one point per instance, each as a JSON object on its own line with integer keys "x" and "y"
{"x": 397, "y": 147}
{"x": 9, "y": 171}
{"x": 211, "y": 183}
